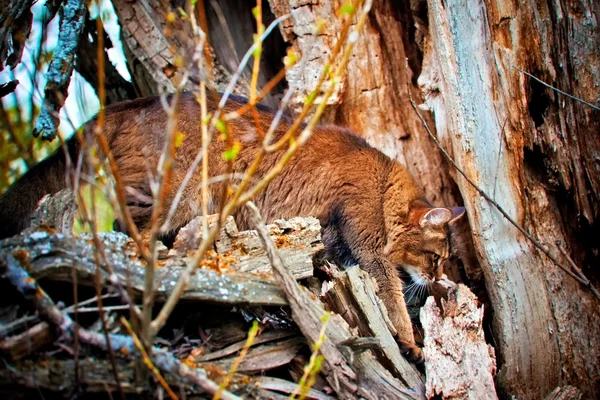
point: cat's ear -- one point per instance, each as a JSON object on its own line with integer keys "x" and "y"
{"x": 435, "y": 216}
{"x": 457, "y": 213}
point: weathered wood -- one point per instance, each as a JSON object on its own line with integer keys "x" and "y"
{"x": 298, "y": 240}
{"x": 234, "y": 348}
{"x": 459, "y": 364}
{"x": 27, "y": 342}
{"x": 157, "y": 49}
{"x": 56, "y": 256}
{"x": 374, "y": 313}
{"x": 56, "y": 213}
{"x": 59, "y": 376}
{"x": 353, "y": 296}
{"x": 95, "y": 376}
{"x": 535, "y": 152}
{"x": 283, "y": 386}
{"x": 565, "y": 393}
{"x": 264, "y": 357}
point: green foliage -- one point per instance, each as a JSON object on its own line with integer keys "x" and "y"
{"x": 105, "y": 214}
{"x": 231, "y": 153}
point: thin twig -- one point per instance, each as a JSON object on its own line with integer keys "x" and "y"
{"x": 147, "y": 359}
{"x": 557, "y": 90}
{"x": 583, "y": 280}
{"x": 577, "y": 270}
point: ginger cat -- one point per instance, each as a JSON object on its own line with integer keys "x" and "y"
{"x": 371, "y": 211}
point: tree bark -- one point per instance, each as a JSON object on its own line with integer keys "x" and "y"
{"x": 459, "y": 364}
{"x": 533, "y": 151}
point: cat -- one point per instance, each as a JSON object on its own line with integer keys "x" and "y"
{"x": 371, "y": 211}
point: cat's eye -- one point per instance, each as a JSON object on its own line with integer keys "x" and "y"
{"x": 436, "y": 259}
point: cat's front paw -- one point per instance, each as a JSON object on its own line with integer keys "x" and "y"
{"x": 411, "y": 352}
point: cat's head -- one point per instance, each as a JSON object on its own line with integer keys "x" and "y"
{"x": 421, "y": 245}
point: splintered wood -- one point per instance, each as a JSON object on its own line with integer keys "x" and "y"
{"x": 459, "y": 364}
{"x": 297, "y": 239}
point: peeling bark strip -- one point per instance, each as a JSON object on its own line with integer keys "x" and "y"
{"x": 459, "y": 364}
{"x": 61, "y": 68}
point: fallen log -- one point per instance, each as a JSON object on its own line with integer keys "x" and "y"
{"x": 459, "y": 364}
{"x": 57, "y": 256}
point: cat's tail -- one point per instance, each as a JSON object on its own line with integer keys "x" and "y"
{"x": 49, "y": 176}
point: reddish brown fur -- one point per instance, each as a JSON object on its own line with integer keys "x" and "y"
{"x": 369, "y": 206}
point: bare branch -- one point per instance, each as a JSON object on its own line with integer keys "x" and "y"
{"x": 557, "y": 90}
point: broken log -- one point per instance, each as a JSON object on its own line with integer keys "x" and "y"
{"x": 459, "y": 364}
{"x": 298, "y": 240}
{"x": 56, "y": 256}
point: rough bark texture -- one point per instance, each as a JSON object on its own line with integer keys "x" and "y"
{"x": 535, "y": 152}
{"x": 298, "y": 240}
{"x": 459, "y": 364}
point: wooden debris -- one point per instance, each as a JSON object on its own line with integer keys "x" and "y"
{"x": 56, "y": 256}
{"x": 56, "y": 213}
{"x": 374, "y": 313}
{"x": 565, "y": 393}
{"x": 31, "y": 340}
{"x": 368, "y": 314}
{"x": 298, "y": 239}
{"x": 459, "y": 363}
{"x": 234, "y": 348}
{"x": 364, "y": 377}
{"x": 264, "y": 357}
{"x": 283, "y": 386}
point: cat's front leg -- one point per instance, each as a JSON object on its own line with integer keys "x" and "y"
{"x": 390, "y": 292}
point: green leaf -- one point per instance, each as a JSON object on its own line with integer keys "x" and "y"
{"x": 221, "y": 126}
{"x": 231, "y": 153}
{"x": 347, "y": 9}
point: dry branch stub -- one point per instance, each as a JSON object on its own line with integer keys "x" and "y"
{"x": 459, "y": 363}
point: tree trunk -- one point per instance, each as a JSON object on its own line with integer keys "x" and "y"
{"x": 533, "y": 151}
